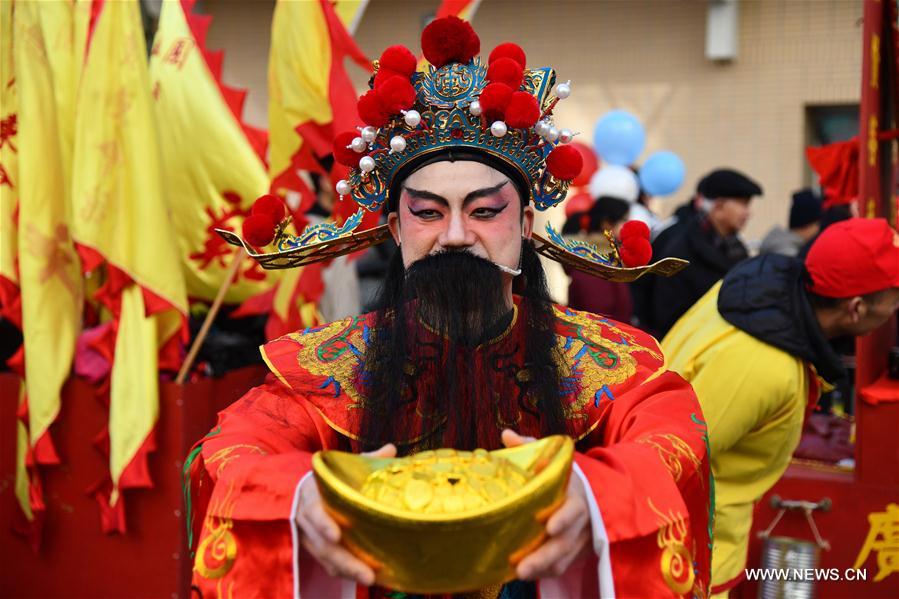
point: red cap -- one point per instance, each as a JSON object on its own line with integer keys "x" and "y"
{"x": 854, "y": 257}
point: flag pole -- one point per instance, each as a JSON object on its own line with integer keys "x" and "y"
{"x": 236, "y": 260}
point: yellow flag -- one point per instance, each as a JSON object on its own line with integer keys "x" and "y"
{"x": 49, "y": 270}
{"x": 310, "y": 95}
{"x": 212, "y": 171}
{"x": 311, "y": 99}
{"x": 122, "y": 219}
{"x": 9, "y": 169}
{"x": 62, "y": 23}
{"x": 121, "y": 210}
{"x": 10, "y": 306}
{"x": 350, "y": 13}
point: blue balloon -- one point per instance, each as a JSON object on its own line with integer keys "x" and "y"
{"x": 662, "y": 174}
{"x": 618, "y": 138}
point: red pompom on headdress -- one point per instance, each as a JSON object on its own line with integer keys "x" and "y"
{"x": 505, "y": 70}
{"x": 523, "y": 111}
{"x": 494, "y": 99}
{"x": 449, "y": 39}
{"x": 634, "y": 228}
{"x": 397, "y": 94}
{"x": 259, "y": 229}
{"x": 635, "y": 251}
{"x": 269, "y": 204}
{"x": 398, "y": 59}
{"x": 384, "y": 74}
{"x": 372, "y": 110}
{"x": 343, "y": 154}
{"x": 508, "y": 50}
{"x": 564, "y": 163}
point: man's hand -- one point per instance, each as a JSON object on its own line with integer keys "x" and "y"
{"x": 568, "y": 529}
{"x": 321, "y": 535}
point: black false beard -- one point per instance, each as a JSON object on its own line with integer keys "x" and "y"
{"x": 430, "y": 347}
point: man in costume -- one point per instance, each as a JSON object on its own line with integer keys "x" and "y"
{"x": 756, "y": 349}
{"x": 465, "y": 350}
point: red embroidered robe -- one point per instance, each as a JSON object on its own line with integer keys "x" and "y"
{"x": 642, "y": 450}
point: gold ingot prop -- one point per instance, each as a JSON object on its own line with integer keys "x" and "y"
{"x": 445, "y": 521}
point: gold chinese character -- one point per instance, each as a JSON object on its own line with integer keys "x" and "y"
{"x": 883, "y": 539}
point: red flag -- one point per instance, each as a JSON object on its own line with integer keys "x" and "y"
{"x": 836, "y": 165}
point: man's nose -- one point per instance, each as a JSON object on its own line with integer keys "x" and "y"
{"x": 456, "y": 233}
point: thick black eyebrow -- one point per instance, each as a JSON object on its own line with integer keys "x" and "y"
{"x": 470, "y": 197}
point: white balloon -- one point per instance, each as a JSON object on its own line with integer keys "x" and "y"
{"x": 615, "y": 181}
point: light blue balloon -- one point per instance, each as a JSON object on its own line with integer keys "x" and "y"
{"x": 662, "y": 174}
{"x": 619, "y": 138}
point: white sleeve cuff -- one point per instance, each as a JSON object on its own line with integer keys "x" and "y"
{"x": 295, "y": 534}
{"x": 345, "y": 589}
{"x": 600, "y": 540}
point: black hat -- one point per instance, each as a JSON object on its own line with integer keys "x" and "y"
{"x": 806, "y": 208}
{"x": 727, "y": 183}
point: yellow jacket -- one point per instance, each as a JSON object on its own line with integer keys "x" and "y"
{"x": 754, "y": 397}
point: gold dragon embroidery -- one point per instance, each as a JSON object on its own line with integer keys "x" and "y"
{"x": 218, "y": 549}
{"x": 676, "y": 563}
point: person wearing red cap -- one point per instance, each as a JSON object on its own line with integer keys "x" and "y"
{"x": 756, "y": 350}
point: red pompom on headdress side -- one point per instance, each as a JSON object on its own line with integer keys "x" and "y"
{"x": 634, "y": 228}
{"x": 508, "y": 50}
{"x": 449, "y": 39}
{"x": 384, "y": 74}
{"x": 523, "y": 111}
{"x": 343, "y": 154}
{"x": 271, "y": 205}
{"x": 397, "y": 94}
{"x": 259, "y": 229}
{"x": 564, "y": 163}
{"x": 372, "y": 110}
{"x": 494, "y": 99}
{"x": 398, "y": 59}
{"x": 505, "y": 70}
{"x": 635, "y": 251}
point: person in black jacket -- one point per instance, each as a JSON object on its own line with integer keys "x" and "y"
{"x": 708, "y": 240}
